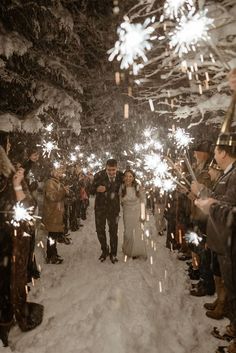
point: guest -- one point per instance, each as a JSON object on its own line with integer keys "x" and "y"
{"x": 15, "y": 250}
{"x": 53, "y": 213}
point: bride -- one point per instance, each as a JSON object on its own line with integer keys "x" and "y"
{"x": 132, "y": 196}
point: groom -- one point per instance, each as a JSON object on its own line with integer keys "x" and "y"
{"x": 106, "y": 185}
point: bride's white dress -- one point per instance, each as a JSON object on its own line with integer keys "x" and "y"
{"x": 134, "y": 243}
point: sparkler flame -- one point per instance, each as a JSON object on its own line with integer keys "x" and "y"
{"x": 173, "y": 7}
{"x": 190, "y": 30}
{"x": 20, "y": 213}
{"x": 192, "y": 237}
{"x": 56, "y": 165}
{"x": 73, "y": 157}
{"x": 49, "y": 128}
{"x": 48, "y": 147}
{"x": 152, "y": 161}
{"x": 134, "y": 40}
{"x": 181, "y": 137}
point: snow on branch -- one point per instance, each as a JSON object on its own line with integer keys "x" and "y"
{"x": 51, "y": 97}
{"x": 13, "y": 43}
{"x": 204, "y": 35}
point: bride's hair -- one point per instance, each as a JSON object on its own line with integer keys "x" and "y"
{"x": 134, "y": 184}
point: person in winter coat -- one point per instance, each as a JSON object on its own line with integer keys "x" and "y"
{"x": 15, "y": 249}
{"x": 53, "y": 213}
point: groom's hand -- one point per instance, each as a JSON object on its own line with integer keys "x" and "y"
{"x": 101, "y": 188}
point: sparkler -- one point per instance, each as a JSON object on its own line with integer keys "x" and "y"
{"x": 73, "y": 157}
{"x": 181, "y": 137}
{"x": 192, "y": 237}
{"x": 20, "y": 213}
{"x": 190, "y": 169}
{"x": 49, "y": 128}
{"x": 173, "y": 7}
{"x": 56, "y": 165}
{"x": 179, "y": 173}
{"x": 48, "y": 147}
{"x": 162, "y": 169}
{"x": 147, "y": 132}
{"x": 190, "y": 30}
{"x": 134, "y": 40}
{"x": 152, "y": 161}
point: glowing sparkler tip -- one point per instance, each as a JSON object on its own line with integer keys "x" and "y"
{"x": 20, "y": 213}
{"x": 190, "y": 30}
{"x": 134, "y": 40}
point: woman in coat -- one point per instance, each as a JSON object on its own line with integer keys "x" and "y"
{"x": 15, "y": 249}
{"x": 53, "y": 213}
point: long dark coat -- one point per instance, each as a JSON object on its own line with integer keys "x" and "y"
{"x": 108, "y": 201}
{"x": 225, "y": 191}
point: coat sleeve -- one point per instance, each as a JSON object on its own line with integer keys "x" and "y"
{"x": 230, "y": 194}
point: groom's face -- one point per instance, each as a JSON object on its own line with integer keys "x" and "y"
{"x": 111, "y": 171}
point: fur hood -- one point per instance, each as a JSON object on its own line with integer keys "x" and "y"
{"x": 6, "y": 167}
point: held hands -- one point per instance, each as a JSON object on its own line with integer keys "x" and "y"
{"x": 101, "y": 188}
{"x": 18, "y": 177}
{"x": 205, "y": 204}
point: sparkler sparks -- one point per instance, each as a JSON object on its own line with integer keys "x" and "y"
{"x": 152, "y": 161}
{"x": 20, "y": 213}
{"x": 48, "y": 147}
{"x": 172, "y": 8}
{"x": 190, "y": 30}
{"x": 49, "y": 127}
{"x": 134, "y": 40}
{"x": 56, "y": 165}
{"x": 192, "y": 237}
{"x": 73, "y": 157}
{"x": 181, "y": 137}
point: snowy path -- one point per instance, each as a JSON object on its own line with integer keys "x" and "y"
{"x": 93, "y": 307}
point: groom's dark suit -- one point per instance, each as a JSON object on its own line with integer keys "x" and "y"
{"x": 107, "y": 208}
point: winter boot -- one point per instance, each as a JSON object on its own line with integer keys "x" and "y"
{"x": 220, "y": 310}
{"x": 212, "y": 306}
{"x": 4, "y": 332}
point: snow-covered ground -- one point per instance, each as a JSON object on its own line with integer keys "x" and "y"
{"x": 127, "y": 307}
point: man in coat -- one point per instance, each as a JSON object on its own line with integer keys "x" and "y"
{"x": 106, "y": 186}
{"x": 220, "y": 237}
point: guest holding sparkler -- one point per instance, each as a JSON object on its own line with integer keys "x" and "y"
{"x": 132, "y": 199}
{"x": 15, "y": 245}
{"x": 209, "y": 266}
{"x": 202, "y": 152}
{"x": 221, "y": 220}
{"x": 53, "y": 213}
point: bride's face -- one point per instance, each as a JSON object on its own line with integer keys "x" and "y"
{"x": 128, "y": 179}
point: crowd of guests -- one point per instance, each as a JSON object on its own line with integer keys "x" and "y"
{"x": 63, "y": 204}
{"x": 200, "y": 223}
